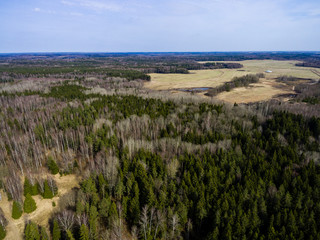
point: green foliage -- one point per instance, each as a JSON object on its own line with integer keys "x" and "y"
{"x": 84, "y": 232}
{"x": 47, "y": 193}
{"x": 226, "y": 178}
{"x": 67, "y": 92}
{"x": 56, "y": 232}
{"x": 16, "y": 210}
{"x": 311, "y": 100}
{"x": 27, "y": 187}
{"x": 3, "y": 232}
{"x": 52, "y": 165}
{"x": 70, "y": 235}
{"x": 31, "y": 231}
{"x": 93, "y": 222}
{"x": 82, "y": 69}
{"x": 44, "y": 234}
{"x": 29, "y": 204}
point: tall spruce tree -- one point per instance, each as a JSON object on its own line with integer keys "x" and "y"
{"x": 29, "y": 204}
{"x": 16, "y": 210}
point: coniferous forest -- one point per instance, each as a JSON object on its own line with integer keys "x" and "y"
{"x": 151, "y": 165}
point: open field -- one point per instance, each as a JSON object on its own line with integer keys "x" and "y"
{"x": 266, "y": 89}
{"x": 256, "y": 92}
{"x": 44, "y": 209}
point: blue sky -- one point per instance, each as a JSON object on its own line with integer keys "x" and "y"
{"x": 159, "y": 25}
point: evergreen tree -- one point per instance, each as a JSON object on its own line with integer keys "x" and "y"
{"x": 44, "y": 234}
{"x": 84, "y": 232}
{"x": 52, "y": 165}
{"x": 93, "y": 222}
{"x": 32, "y": 231}
{"x": 56, "y": 232}
{"x": 104, "y": 207}
{"x": 47, "y": 193}
{"x": 16, "y": 210}
{"x": 35, "y": 190}
{"x": 29, "y": 204}
{"x": 27, "y": 187}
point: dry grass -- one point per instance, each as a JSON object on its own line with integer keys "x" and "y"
{"x": 264, "y": 90}
{"x": 255, "y": 93}
{"x": 44, "y": 209}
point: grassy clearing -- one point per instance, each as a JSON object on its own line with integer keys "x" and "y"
{"x": 255, "y": 93}
{"x": 267, "y": 89}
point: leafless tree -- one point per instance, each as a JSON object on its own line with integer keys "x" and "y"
{"x": 66, "y": 220}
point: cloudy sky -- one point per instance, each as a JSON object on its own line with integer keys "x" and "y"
{"x": 159, "y": 25}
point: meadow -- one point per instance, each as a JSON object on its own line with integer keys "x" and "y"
{"x": 264, "y": 90}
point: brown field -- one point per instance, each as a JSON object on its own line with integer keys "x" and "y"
{"x": 266, "y": 89}
{"x": 44, "y": 209}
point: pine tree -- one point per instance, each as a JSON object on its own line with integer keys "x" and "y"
{"x": 52, "y": 165}
{"x": 104, "y": 207}
{"x": 32, "y": 231}
{"x": 16, "y": 210}
{"x": 47, "y": 193}
{"x": 113, "y": 213}
{"x": 56, "y": 232}
{"x": 44, "y": 234}
{"x": 29, "y": 204}
{"x": 35, "y": 189}
{"x": 27, "y": 187}
{"x": 93, "y": 217}
{"x": 84, "y": 232}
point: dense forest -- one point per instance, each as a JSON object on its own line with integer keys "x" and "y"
{"x": 155, "y": 166}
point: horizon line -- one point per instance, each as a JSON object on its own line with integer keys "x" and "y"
{"x": 157, "y": 52}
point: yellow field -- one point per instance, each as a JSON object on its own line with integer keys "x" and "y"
{"x": 266, "y": 89}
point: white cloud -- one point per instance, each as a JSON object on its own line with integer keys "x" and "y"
{"x": 37, "y": 9}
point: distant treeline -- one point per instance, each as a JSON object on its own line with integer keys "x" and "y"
{"x": 28, "y": 71}
{"x": 314, "y": 63}
{"x": 243, "y": 81}
{"x": 184, "y": 68}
